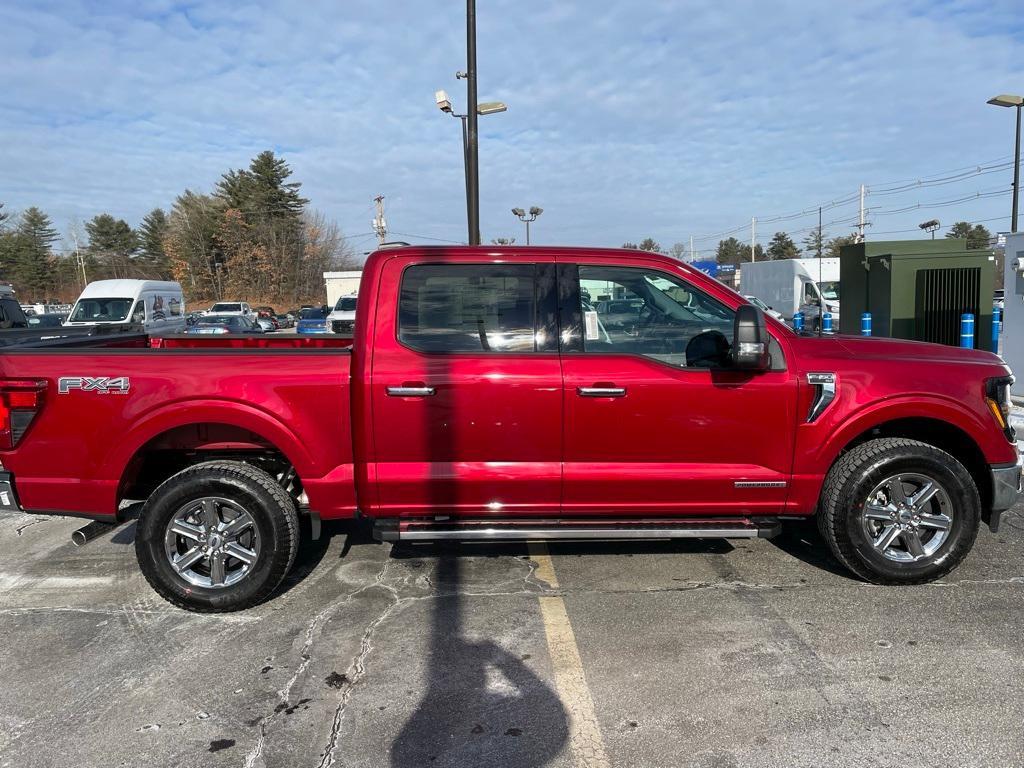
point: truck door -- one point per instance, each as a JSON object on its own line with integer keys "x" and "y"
{"x": 653, "y": 424}
{"x": 466, "y": 389}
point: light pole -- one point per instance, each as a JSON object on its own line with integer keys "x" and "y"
{"x": 472, "y": 204}
{"x": 930, "y": 226}
{"x": 1010, "y": 100}
{"x": 522, "y": 215}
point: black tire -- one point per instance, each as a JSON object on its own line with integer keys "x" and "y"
{"x": 274, "y": 516}
{"x": 853, "y": 478}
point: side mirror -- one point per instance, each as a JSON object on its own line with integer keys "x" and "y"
{"x": 750, "y": 340}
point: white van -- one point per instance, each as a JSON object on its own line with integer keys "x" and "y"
{"x": 157, "y": 305}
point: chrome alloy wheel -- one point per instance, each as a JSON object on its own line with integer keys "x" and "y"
{"x": 907, "y": 517}
{"x": 212, "y": 542}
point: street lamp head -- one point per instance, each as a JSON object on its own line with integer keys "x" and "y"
{"x": 443, "y": 102}
{"x": 491, "y": 107}
{"x": 1006, "y": 100}
{"x": 535, "y": 211}
{"x": 518, "y": 212}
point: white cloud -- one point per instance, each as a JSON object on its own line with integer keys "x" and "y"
{"x": 625, "y": 119}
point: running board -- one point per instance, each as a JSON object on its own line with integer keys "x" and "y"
{"x": 574, "y": 530}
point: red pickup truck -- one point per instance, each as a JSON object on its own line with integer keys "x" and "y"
{"x": 486, "y": 396}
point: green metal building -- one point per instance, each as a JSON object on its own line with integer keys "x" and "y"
{"x": 917, "y": 289}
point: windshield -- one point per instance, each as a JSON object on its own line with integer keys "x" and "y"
{"x": 346, "y": 304}
{"x": 101, "y": 310}
{"x": 756, "y": 302}
{"x": 226, "y": 308}
{"x": 829, "y": 290}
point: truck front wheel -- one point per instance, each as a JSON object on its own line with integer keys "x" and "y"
{"x": 217, "y": 536}
{"x": 899, "y": 511}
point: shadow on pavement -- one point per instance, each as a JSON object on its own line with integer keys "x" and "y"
{"x": 801, "y": 539}
{"x": 482, "y": 705}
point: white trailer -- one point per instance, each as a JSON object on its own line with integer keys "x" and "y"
{"x": 1013, "y": 311}
{"x": 341, "y": 284}
{"x": 795, "y": 285}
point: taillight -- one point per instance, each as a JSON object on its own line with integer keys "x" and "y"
{"x": 20, "y": 401}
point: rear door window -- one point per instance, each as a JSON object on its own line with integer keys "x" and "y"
{"x": 477, "y": 308}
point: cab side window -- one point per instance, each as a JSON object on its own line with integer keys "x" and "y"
{"x": 478, "y": 308}
{"x": 647, "y": 312}
{"x": 139, "y": 313}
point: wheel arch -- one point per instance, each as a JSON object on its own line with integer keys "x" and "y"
{"x": 171, "y": 438}
{"x": 944, "y": 428}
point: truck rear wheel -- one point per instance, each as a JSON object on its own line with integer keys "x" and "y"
{"x": 217, "y": 536}
{"x": 899, "y": 511}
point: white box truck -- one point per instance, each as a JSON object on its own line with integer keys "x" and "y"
{"x": 795, "y": 285}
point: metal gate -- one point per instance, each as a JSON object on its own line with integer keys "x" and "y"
{"x": 943, "y": 295}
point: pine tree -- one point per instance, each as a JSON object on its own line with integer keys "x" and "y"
{"x": 29, "y": 256}
{"x": 152, "y": 232}
{"x": 814, "y": 243}
{"x": 37, "y": 226}
{"x": 977, "y": 236}
{"x": 113, "y": 244}
{"x": 758, "y": 253}
{"x": 833, "y": 245}
{"x": 730, "y": 251}
{"x": 262, "y": 192}
{"x": 649, "y": 244}
{"x": 782, "y": 247}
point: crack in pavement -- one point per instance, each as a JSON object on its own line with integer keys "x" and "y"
{"x": 305, "y": 655}
{"x": 30, "y": 523}
{"x": 357, "y": 668}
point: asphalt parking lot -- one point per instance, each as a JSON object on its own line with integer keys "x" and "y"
{"x": 657, "y": 654}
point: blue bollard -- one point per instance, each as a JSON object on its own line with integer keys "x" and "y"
{"x": 798, "y": 322}
{"x": 865, "y": 324}
{"x": 826, "y": 323}
{"x": 967, "y": 330}
{"x": 997, "y": 327}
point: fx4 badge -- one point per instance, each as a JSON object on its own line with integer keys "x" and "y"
{"x": 101, "y": 385}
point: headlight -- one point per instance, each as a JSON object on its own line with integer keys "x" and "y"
{"x": 997, "y": 397}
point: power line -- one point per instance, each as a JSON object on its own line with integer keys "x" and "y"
{"x": 940, "y": 178}
{"x": 947, "y": 226}
{"x": 939, "y": 203}
{"x": 425, "y": 237}
{"x": 978, "y": 171}
{"x": 1004, "y": 158}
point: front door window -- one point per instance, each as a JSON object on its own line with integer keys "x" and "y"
{"x": 651, "y": 313}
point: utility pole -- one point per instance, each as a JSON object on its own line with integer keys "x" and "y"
{"x": 472, "y": 144}
{"x": 753, "y": 236}
{"x": 693, "y": 256}
{"x": 860, "y": 222}
{"x": 380, "y": 226}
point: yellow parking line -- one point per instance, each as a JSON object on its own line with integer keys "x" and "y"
{"x": 571, "y": 683}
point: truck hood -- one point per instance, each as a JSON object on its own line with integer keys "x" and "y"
{"x": 876, "y": 347}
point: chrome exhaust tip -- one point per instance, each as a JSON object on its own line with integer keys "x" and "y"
{"x": 87, "y": 533}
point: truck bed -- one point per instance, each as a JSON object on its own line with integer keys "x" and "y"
{"x": 118, "y": 404}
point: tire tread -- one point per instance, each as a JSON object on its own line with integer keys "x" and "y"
{"x": 831, "y": 514}
{"x": 281, "y": 498}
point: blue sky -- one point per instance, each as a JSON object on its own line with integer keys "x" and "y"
{"x": 626, "y": 119}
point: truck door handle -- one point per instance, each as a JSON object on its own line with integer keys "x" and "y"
{"x": 601, "y": 391}
{"x": 407, "y": 390}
